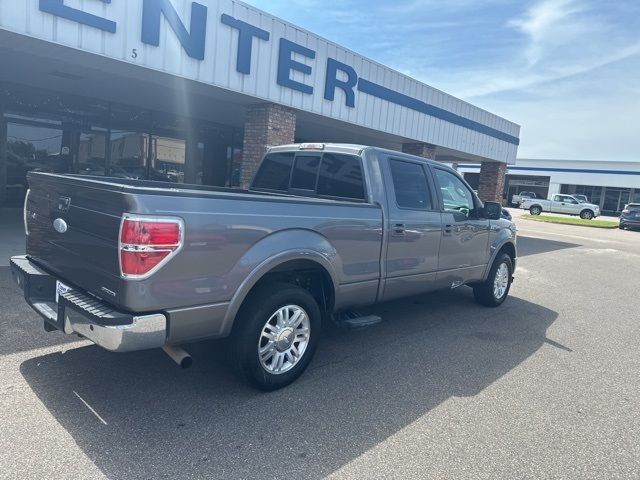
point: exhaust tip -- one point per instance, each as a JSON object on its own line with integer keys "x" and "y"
{"x": 178, "y": 355}
{"x": 186, "y": 362}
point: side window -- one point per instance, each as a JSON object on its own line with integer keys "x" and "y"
{"x": 305, "y": 172}
{"x": 275, "y": 172}
{"x": 557, "y": 198}
{"x": 457, "y": 198}
{"x": 410, "y": 185}
{"x": 341, "y": 176}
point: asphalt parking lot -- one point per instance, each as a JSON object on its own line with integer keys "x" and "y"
{"x": 547, "y": 386}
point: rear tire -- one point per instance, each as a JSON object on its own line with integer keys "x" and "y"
{"x": 535, "y": 210}
{"x": 587, "y": 215}
{"x": 276, "y": 335}
{"x": 495, "y": 289}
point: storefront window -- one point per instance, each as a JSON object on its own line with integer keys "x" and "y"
{"x": 169, "y": 156}
{"x": 92, "y": 149}
{"x": 594, "y": 194}
{"x": 129, "y": 154}
{"x": 59, "y": 133}
{"x": 615, "y": 199}
{"x": 31, "y": 147}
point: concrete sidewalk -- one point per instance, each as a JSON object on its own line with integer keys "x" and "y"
{"x": 11, "y": 234}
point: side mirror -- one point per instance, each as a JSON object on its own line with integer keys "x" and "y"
{"x": 492, "y": 210}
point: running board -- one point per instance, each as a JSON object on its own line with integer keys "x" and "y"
{"x": 354, "y": 320}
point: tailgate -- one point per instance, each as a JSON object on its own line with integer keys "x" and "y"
{"x": 73, "y": 226}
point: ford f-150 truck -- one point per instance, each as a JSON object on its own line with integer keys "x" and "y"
{"x": 323, "y": 230}
{"x": 566, "y": 204}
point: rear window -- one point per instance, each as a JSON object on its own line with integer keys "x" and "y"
{"x": 327, "y": 175}
{"x": 634, "y": 207}
{"x": 341, "y": 177}
{"x": 305, "y": 172}
{"x": 275, "y": 172}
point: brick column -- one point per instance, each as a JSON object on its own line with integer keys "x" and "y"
{"x": 491, "y": 184}
{"x": 266, "y": 125}
{"x": 424, "y": 150}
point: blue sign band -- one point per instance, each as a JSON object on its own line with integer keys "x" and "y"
{"x": 383, "y": 93}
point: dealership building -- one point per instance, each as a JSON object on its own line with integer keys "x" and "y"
{"x": 195, "y": 92}
{"x": 609, "y": 184}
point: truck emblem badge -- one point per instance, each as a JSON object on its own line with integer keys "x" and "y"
{"x": 60, "y": 225}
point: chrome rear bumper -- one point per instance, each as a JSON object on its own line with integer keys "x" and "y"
{"x": 77, "y": 313}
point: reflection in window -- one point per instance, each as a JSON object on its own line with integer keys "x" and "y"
{"x": 341, "y": 176}
{"x": 169, "y": 155}
{"x": 92, "y": 149}
{"x": 456, "y": 196}
{"x": 129, "y": 154}
{"x": 305, "y": 172}
{"x": 34, "y": 148}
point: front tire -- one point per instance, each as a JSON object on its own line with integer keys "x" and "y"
{"x": 535, "y": 210}
{"x": 276, "y": 336}
{"x": 587, "y": 215}
{"x": 495, "y": 289}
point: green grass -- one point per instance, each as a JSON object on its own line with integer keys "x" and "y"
{"x": 572, "y": 221}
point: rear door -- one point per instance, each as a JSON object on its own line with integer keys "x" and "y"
{"x": 464, "y": 251}
{"x": 414, "y": 227}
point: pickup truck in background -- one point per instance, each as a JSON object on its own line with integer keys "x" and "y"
{"x": 323, "y": 230}
{"x": 566, "y": 204}
{"x": 516, "y": 200}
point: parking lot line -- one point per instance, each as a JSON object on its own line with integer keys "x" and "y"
{"x": 90, "y": 408}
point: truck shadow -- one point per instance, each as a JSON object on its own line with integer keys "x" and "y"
{"x": 362, "y": 387}
{"x": 21, "y": 328}
{"x": 533, "y": 246}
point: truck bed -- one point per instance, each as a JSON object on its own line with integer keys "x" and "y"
{"x": 222, "y": 226}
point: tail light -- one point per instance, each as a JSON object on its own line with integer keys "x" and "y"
{"x": 25, "y": 212}
{"x": 147, "y": 243}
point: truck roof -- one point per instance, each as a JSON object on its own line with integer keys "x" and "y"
{"x": 345, "y": 148}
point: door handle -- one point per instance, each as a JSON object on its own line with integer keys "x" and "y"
{"x": 399, "y": 229}
{"x": 448, "y": 230}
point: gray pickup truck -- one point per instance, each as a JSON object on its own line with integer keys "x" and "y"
{"x": 323, "y": 230}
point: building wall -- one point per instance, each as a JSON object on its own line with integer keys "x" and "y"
{"x": 568, "y": 176}
{"x": 382, "y": 99}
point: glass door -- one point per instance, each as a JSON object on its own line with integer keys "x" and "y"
{"x": 615, "y": 200}
{"x": 35, "y": 147}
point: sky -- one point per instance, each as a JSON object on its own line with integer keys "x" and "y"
{"x": 567, "y": 71}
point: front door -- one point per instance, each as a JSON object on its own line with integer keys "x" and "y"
{"x": 414, "y": 230}
{"x": 464, "y": 251}
{"x": 565, "y": 204}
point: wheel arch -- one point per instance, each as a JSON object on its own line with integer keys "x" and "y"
{"x": 536, "y": 205}
{"x": 507, "y": 246}
{"x": 314, "y": 267}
